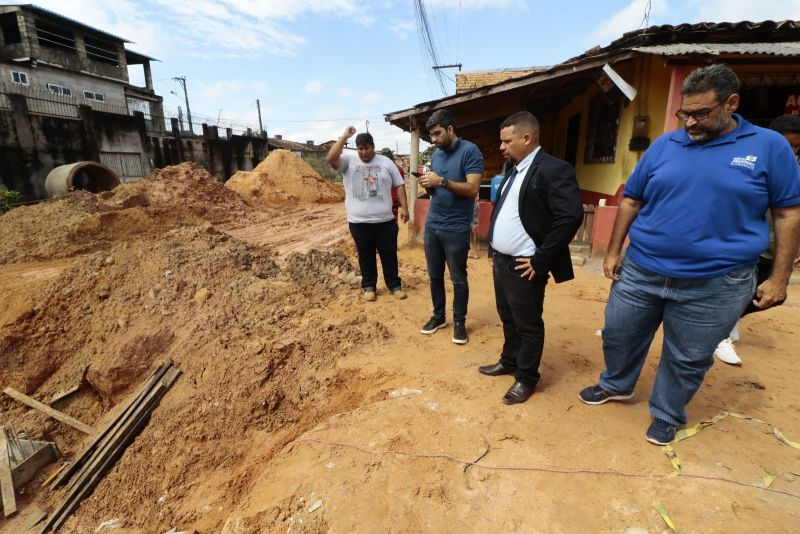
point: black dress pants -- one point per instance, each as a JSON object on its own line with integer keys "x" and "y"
{"x": 520, "y": 303}
{"x": 381, "y": 238}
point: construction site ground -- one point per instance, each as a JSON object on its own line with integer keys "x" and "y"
{"x": 303, "y": 409}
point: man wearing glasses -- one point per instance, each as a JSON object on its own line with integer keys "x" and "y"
{"x": 694, "y": 210}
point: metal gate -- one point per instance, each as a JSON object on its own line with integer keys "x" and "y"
{"x": 127, "y": 165}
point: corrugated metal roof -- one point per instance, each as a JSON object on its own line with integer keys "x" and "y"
{"x": 680, "y": 49}
{"x": 771, "y": 30}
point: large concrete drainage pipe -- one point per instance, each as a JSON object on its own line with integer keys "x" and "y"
{"x": 87, "y": 175}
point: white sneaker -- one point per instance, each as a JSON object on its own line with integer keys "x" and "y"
{"x": 727, "y": 353}
{"x": 734, "y": 335}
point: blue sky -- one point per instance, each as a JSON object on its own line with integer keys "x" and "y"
{"x": 319, "y": 65}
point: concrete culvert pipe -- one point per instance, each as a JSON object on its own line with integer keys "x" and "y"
{"x": 87, "y": 175}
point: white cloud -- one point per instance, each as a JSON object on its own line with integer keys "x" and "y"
{"x": 476, "y": 4}
{"x": 226, "y": 87}
{"x": 329, "y": 113}
{"x": 402, "y": 28}
{"x": 625, "y": 20}
{"x": 738, "y": 10}
{"x": 344, "y": 93}
{"x": 314, "y": 86}
{"x": 373, "y": 96}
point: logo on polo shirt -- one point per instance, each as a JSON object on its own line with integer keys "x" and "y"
{"x": 748, "y": 162}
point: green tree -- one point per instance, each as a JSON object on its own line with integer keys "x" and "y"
{"x": 8, "y": 199}
{"x": 385, "y": 151}
{"x": 426, "y": 155}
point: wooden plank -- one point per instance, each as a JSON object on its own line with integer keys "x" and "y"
{"x": 6, "y": 482}
{"x": 64, "y": 393}
{"x": 25, "y": 471}
{"x": 106, "y": 455}
{"x": 109, "y": 444}
{"x": 55, "y": 414}
{"x": 34, "y": 517}
{"x": 57, "y": 472}
{"x": 113, "y": 425}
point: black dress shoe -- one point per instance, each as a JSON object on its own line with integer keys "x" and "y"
{"x": 496, "y": 369}
{"x": 518, "y": 393}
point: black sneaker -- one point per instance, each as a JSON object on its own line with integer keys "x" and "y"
{"x": 597, "y": 395}
{"x": 660, "y": 432}
{"x": 433, "y": 325}
{"x": 460, "y": 336}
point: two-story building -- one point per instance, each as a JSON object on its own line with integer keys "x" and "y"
{"x": 43, "y": 53}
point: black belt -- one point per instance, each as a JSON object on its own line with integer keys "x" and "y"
{"x": 500, "y": 255}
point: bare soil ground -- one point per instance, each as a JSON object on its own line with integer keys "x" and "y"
{"x": 304, "y": 409}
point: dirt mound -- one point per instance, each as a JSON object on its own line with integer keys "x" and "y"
{"x": 84, "y": 222}
{"x": 252, "y": 338}
{"x": 284, "y": 178}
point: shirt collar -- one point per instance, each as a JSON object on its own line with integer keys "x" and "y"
{"x": 523, "y": 165}
{"x": 453, "y": 146}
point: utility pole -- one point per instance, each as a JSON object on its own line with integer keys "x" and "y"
{"x": 366, "y": 125}
{"x": 182, "y": 80}
{"x": 260, "y": 127}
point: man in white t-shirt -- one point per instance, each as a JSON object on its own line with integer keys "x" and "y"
{"x": 368, "y": 182}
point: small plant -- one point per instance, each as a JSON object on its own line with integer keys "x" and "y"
{"x": 8, "y": 199}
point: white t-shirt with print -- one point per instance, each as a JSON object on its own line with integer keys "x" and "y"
{"x": 368, "y": 188}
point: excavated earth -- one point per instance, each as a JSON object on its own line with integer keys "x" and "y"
{"x": 303, "y": 409}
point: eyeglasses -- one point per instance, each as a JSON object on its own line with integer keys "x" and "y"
{"x": 699, "y": 115}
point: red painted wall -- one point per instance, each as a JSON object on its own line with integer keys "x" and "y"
{"x": 422, "y": 206}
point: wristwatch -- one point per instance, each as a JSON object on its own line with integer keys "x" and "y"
{"x": 445, "y": 183}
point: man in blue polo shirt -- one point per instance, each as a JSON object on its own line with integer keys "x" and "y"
{"x": 453, "y": 182}
{"x": 696, "y": 209}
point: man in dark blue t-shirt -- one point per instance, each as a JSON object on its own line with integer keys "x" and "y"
{"x": 453, "y": 182}
{"x": 696, "y": 209}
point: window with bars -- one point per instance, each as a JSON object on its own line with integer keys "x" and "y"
{"x": 59, "y": 89}
{"x": 19, "y": 77}
{"x": 91, "y": 95}
{"x": 101, "y": 51}
{"x": 602, "y": 127}
{"x": 50, "y": 36}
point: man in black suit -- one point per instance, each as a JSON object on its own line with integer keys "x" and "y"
{"x": 536, "y": 215}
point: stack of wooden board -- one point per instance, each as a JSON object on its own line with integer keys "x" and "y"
{"x": 107, "y": 447}
{"x": 20, "y": 459}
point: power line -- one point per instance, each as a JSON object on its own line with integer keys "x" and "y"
{"x": 646, "y": 19}
{"x": 426, "y": 39}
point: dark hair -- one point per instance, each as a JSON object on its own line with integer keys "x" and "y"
{"x": 718, "y": 78}
{"x": 441, "y": 117}
{"x": 786, "y": 124}
{"x": 523, "y": 121}
{"x": 365, "y": 139}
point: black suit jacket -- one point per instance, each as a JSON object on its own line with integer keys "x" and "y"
{"x": 551, "y": 212}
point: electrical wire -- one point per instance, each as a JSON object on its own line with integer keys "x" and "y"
{"x": 646, "y": 19}
{"x": 427, "y": 41}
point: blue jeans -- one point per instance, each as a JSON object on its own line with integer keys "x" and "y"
{"x": 697, "y": 315}
{"x": 451, "y": 248}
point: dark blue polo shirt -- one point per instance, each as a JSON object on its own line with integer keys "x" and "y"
{"x": 704, "y": 204}
{"x": 450, "y": 212}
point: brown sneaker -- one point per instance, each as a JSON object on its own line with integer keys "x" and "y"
{"x": 399, "y": 294}
{"x": 369, "y": 296}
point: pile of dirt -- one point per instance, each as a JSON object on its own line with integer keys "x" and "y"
{"x": 83, "y": 222}
{"x": 151, "y": 276}
{"x": 284, "y": 178}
